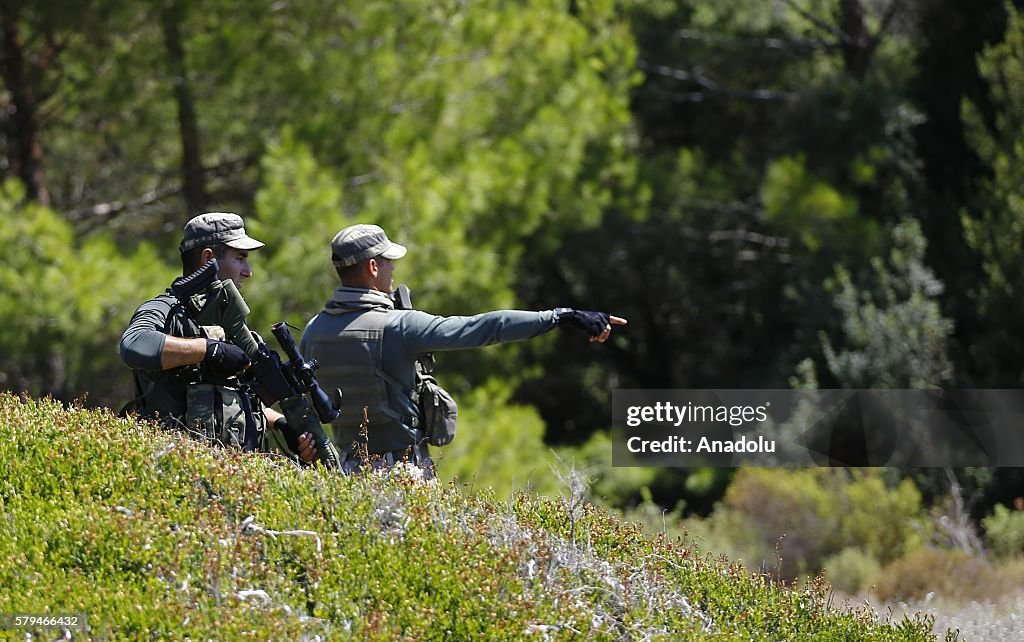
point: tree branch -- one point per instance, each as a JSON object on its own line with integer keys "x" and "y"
{"x": 701, "y": 96}
{"x": 889, "y": 15}
{"x": 797, "y": 44}
{"x": 823, "y": 25}
{"x": 887, "y": 20}
{"x": 712, "y": 86}
{"x": 111, "y": 209}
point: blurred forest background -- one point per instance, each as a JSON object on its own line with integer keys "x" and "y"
{"x": 780, "y": 193}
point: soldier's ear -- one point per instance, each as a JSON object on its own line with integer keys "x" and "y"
{"x": 372, "y": 268}
{"x": 205, "y": 255}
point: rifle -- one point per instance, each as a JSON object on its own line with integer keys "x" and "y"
{"x": 299, "y": 373}
{"x": 402, "y": 297}
{"x": 272, "y": 380}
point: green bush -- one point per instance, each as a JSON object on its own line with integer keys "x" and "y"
{"x": 792, "y": 521}
{"x": 153, "y": 536}
{"x": 1004, "y": 530}
{"x": 884, "y": 521}
{"x": 499, "y": 447}
{"x": 610, "y": 485}
{"x": 851, "y": 570}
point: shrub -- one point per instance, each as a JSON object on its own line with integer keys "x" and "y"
{"x": 788, "y": 512}
{"x": 951, "y": 574}
{"x": 499, "y": 446}
{"x": 154, "y": 536}
{"x": 65, "y": 302}
{"x": 793, "y": 520}
{"x": 1004, "y": 530}
{"x": 886, "y": 522}
{"x": 610, "y": 485}
{"x": 851, "y": 570}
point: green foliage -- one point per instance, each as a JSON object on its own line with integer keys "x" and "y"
{"x": 996, "y": 231}
{"x": 465, "y": 130}
{"x": 152, "y": 535}
{"x": 294, "y": 186}
{"x": 1004, "y": 530}
{"x": 851, "y": 570}
{"x": 65, "y": 303}
{"x": 690, "y": 272}
{"x": 609, "y": 485}
{"x": 868, "y": 502}
{"x": 895, "y": 335}
{"x": 499, "y": 448}
{"x": 696, "y": 167}
{"x": 792, "y": 521}
{"x": 784, "y": 520}
{"x": 806, "y": 207}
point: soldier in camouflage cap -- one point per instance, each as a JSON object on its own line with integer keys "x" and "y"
{"x": 376, "y": 353}
{"x": 207, "y": 230}
{"x": 218, "y": 235}
{"x": 182, "y": 370}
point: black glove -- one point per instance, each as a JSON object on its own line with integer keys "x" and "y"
{"x": 225, "y": 359}
{"x": 592, "y": 323}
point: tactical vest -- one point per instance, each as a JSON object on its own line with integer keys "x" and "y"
{"x": 164, "y": 392}
{"x": 210, "y": 410}
{"x": 352, "y": 360}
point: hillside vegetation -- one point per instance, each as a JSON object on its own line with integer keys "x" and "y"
{"x": 154, "y": 536}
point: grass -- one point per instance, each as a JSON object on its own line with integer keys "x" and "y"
{"x": 997, "y": 620}
{"x": 154, "y": 536}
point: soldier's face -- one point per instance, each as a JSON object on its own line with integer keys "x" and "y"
{"x": 385, "y": 268}
{"x": 234, "y": 266}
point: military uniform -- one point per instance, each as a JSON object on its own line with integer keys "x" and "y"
{"x": 369, "y": 349}
{"x": 192, "y": 397}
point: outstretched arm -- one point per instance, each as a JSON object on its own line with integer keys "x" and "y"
{"x": 423, "y": 332}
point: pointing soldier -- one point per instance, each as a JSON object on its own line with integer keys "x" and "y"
{"x": 375, "y": 352}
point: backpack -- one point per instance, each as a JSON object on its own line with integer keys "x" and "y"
{"x": 439, "y": 413}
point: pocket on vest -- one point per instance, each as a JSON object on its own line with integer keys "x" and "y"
{"x": 216, "y": 413}
{"x": 438, "y": 412}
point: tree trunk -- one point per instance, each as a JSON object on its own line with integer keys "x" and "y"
{"x": 24, "y": 147}
{"x": 193, "y": 179}
{"x": 856, "y": 42}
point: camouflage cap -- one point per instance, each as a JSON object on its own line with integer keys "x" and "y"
{"x": 217, "y": 227}
{"x": 357, "y": 243}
